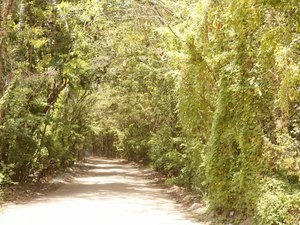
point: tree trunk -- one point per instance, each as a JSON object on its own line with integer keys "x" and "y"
{"x": 6, "y": 9}
{"x": 29, "y": 45}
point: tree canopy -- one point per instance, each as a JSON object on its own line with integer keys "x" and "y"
{"x": 206, "y": 92}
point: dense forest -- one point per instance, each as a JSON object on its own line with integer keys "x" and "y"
{"x": 207, "y": 92}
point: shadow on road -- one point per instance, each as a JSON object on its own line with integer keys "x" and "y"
{"x": 108, "y": 192}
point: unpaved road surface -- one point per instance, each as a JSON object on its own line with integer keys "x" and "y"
{"x": 111, "y": 192}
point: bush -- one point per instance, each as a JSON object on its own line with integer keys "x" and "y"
{"x": 6, "y": 171}
{"x": 193, "y": 173}
{"x": 279, "y": 204}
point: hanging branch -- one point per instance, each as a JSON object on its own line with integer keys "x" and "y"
{"x": 163, "y": 22}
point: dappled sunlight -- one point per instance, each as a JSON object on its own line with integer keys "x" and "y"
{"x": 109, "y": 193}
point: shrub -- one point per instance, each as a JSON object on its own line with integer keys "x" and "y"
{"x": 279, "y": 204}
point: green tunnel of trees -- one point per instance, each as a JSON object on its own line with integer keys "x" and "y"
{"x": 207, "y": 92}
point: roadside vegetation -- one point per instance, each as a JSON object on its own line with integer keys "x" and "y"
{"x": 206, "y": 92}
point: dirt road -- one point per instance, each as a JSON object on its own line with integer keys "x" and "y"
{"x": 111, "y": 192}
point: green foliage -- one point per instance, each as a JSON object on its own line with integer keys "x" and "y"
{"x": 207, "y": 92}
{"x": 217, "y": 109}
{"x": 192, "y": 174}
{"x": 231, "y": 52}
{"x": 279, "y": 203}
{"x": 165, "y": 152}
{"x": 45, "y": 105}
{"x": 6, "y": 171}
